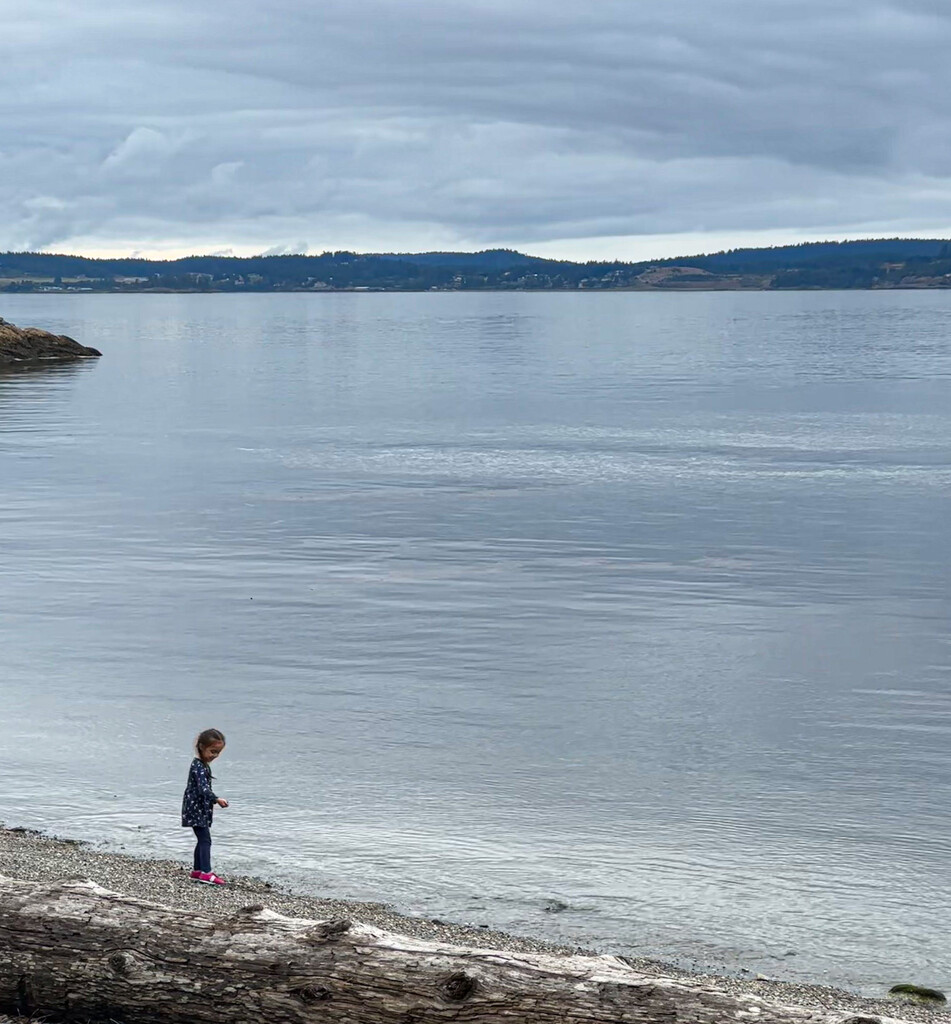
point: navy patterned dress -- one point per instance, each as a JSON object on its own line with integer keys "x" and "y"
{"x": 198, "y": 803}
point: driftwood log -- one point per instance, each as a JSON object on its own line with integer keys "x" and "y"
{"x": 75, "y": 951}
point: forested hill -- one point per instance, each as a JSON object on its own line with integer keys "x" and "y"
{"x": 870, "y": 263}
{"x": 818, "y": 254}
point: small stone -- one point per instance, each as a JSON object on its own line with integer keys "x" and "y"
{"x": 554, "y": 907}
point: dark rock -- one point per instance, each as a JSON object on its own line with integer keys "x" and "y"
{"x": 31, "y": 345}
{"x": 554, "y": 907}
{"x": 917, "y": 994}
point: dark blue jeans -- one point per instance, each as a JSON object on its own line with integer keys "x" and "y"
{"x": 202, "y": 848}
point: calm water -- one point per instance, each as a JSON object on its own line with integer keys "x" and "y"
{"x": 635, "y": 602}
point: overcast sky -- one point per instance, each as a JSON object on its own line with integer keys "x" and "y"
{"x": 605, "y": 128}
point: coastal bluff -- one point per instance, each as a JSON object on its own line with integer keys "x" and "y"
{"x": 23, "y": 345}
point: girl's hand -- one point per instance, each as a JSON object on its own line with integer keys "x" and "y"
{"x": 222, "y": 803}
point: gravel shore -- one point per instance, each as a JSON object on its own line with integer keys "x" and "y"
{"x": 33, "y": 856}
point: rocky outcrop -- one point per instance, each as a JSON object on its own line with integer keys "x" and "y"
{"x": 31, "y": 345}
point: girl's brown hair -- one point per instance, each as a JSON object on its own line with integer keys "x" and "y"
{"x": 206, "y": 738}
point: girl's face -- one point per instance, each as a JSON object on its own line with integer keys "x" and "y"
{"x": 209, "y": 753}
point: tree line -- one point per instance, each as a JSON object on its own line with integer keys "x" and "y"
{"x": 864, "y": 263}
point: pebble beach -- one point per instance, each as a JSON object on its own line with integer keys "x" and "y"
{"x": 34, "y": 856}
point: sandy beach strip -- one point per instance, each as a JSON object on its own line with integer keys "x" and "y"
{"x": 33, "y": 856}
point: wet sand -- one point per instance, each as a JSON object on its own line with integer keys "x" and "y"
{"x": 33, "y": 856}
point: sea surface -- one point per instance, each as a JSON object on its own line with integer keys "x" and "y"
{"x": 619, "y": 619}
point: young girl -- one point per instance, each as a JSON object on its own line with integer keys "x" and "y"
{"x": 198, "y": 804}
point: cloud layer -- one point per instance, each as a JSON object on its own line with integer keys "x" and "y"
{"x": 377, "y": 124}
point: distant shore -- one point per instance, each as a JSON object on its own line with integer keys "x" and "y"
{"x": 678, "y": 288}
{"x": 29, "y": 855}
{"x": 857, "y": 264}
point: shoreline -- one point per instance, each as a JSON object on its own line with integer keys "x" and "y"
{"x": 644, "y": 289}
{"x": 34, "y": 856}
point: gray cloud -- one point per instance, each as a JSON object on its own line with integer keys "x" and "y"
{"x": 377, "y": 124}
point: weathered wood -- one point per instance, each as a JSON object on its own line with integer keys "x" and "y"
{"x": 76, "y": 951}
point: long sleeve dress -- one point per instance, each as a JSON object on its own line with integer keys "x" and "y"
{"x": 198, "y": 803}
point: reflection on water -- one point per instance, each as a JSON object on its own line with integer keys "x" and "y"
{"x": 45, "y": 368}
{"x": 637, "y": 602}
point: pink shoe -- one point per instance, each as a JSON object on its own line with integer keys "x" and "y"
{"x": 195, "y": 876}
{"x": 211, "y": 879}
